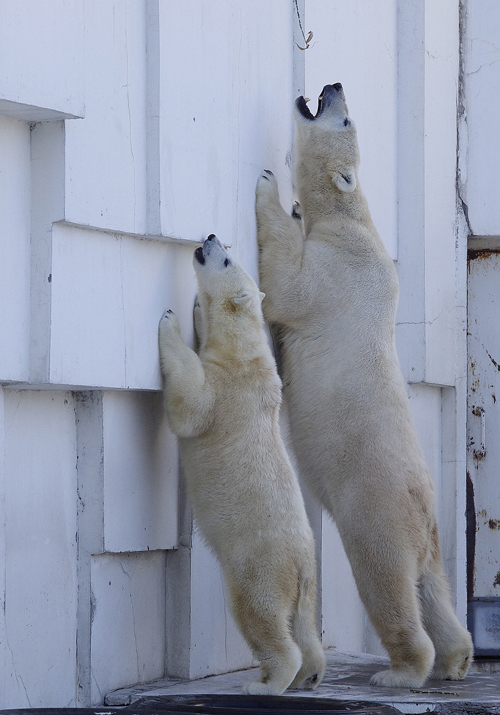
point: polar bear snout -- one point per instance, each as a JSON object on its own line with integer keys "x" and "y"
{"x": 201, "y": 254}
{"x": 212, "y": 247}
{"x": 331, "y": 103}
{"x": 332, "y": 100}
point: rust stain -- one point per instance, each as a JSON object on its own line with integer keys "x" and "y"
{"x": 494, "y": 523}
{"x": 493, "y": 361}
{"x": 471, "y": 538}
{"x": 475, "y": 385}
{"x": 496, "y": 582}
{"x": 478, "y": 255}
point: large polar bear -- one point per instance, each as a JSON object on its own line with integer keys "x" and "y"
{"x": 331, "y": 289}
{"x": 223, "y": 404}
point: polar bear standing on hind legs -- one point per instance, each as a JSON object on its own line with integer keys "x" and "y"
{"x": 331, "y": 290}
{"x": 223, "y": 404}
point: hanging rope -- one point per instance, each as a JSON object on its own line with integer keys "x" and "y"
{"x": 307, "y": 40}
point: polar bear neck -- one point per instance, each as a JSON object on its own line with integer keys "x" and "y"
{"x": 320, "y": 199}
{"x": 233, "y": 337}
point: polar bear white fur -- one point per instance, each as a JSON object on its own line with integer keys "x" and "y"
{"x": 331, "y": 290}
{"x": 223, "y": 404}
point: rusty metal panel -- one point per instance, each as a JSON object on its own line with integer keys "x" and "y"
{"x": 483, "y": 620}
{"x": 483, "y": 424}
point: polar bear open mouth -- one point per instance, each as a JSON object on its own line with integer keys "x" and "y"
{"x": 324, "y": 101}
{"x": 211, "y": 245}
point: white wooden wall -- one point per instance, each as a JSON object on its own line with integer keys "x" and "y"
{"x": 130, "y": 130}
{"x": 479, "y": 185}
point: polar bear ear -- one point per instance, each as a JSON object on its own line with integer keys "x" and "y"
{"x": 242, "y": 298}
{"x": 345, "y": 180}
{"x": 261, "y": 296}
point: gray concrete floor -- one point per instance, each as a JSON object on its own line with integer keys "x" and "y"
{"x": 347, "y": 678}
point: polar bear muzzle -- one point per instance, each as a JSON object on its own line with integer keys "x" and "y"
{"x": 209, "y": 245}
{"x": 331, "y": 100}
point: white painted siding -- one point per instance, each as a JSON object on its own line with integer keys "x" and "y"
{"x": 105, "y": 168}
{"x": 130, "y": 130}
{"x": 356, "y": 43}
{"x": 128, "y": 603}
{"x": 479, "y": 188}
{"x": 40, "y": 549}
{"x": 15, "y": 248}
{"x": 107, "y": 293}
{"x": 42, "y": 53}
{"x": 140, "y": 475}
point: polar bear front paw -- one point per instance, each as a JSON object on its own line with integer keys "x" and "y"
{"x": 267, "y": 186}
{"x": 169, "y": 326}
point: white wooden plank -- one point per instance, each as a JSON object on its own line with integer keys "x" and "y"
{"x": 43, "y": 49}
{"x": 106, "y": 152}
{"x": 140, "y": 473}
{"x": 263, "y": 96}
{"x": 355, "y": 43}
{"x": 87, "y": 342}
{"x": 197, "y": 119}
{"x": 440, "y": 157}
{"x": 14, "y": 249}
{"x": 428, "y": 77}
{"x": 47, "y": 205}
{"x": 482, "y": 68}
{"x": 108, "y": 294}
{"x": 128, "y": 633}
{"x": 41, "y": 598}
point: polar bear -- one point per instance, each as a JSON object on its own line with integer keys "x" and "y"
{"x": 223, "y": 403}
{"x": 331, "y": 291}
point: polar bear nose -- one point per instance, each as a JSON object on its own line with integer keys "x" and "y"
{"x": 337, "y": 86}
{"x": 211, "y": 237}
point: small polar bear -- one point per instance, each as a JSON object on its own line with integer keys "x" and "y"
{"x": 223, "y": 403}
{"x": 331, "y": 291}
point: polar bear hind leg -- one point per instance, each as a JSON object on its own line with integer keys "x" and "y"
{"x": 410, "y": 649}
{"x": 391, "y": 600}
{"x": 305, "y": 633}
{"x": 410, "y": 666}
{"x": 452, "y": 642}
{"x": 264, "y": 623}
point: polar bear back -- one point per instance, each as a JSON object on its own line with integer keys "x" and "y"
{"x": 239, "y": 467}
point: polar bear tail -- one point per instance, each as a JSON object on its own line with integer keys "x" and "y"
{"x": 305, "y": 634}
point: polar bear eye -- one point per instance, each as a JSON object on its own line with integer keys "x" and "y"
{"x": 346, "y": 122}
{"x": 227, "y": 262}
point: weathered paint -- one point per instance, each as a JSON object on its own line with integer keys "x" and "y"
{"x": 484, "y": 421}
